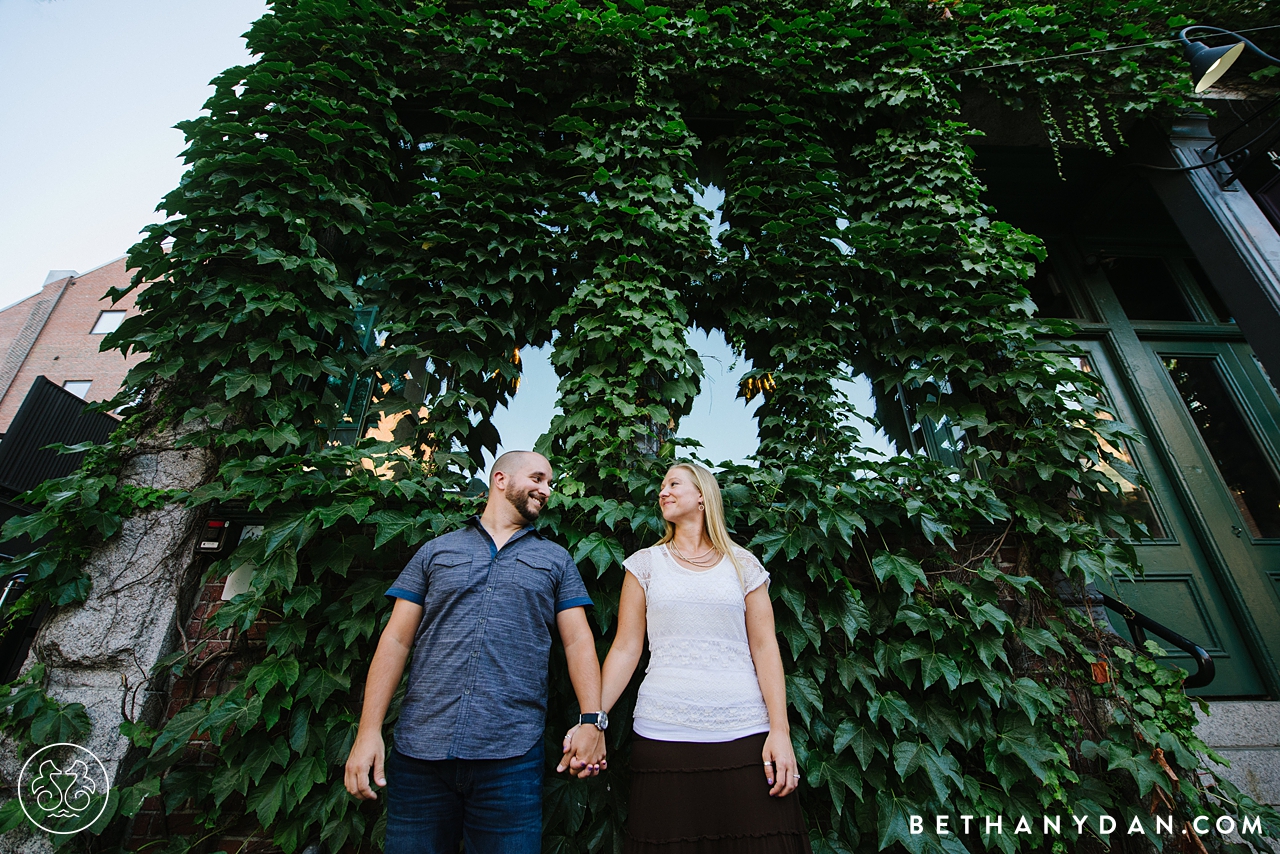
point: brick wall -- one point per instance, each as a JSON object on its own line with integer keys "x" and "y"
{"x": 62, "y": 347}
{"x": 217, "y": 669}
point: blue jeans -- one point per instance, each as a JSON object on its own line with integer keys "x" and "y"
{"x": 493, "y": 806}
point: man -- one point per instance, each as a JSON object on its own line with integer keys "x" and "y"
{"x": 477, "y": 606}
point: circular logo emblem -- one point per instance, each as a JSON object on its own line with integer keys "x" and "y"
{"x": 63, "y": 788}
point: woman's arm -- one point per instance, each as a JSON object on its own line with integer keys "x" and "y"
{"x": 624, "y": 655}
{"x": 781, "y": 768}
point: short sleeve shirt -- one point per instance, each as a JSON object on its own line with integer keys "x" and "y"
{"x": 478, "y": 670}
{"x": 701, "y": 683}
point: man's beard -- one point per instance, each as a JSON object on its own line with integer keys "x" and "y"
{"x": 526, "y": 507}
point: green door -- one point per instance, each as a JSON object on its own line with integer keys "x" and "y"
{"x": 1226, "y": 441}
{"x": 1177, "y": 367}
{"x": 1179, "y": 587}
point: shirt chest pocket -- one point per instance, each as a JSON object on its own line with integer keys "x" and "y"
{"x": 449, "y": 572}
{"x": 532, "y": 577}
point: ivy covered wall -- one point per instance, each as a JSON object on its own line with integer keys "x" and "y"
{"x": 468, "y": 179}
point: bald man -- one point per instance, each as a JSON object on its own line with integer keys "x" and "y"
{"x": 476, "y": 609}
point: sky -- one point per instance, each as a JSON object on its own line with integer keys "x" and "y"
{"x": 719, "y": 419}
{"x": 92, "y": 91}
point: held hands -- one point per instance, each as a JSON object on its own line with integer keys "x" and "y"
{"x": 367, "y": 752}
{"x": 781, "y": 770}
{"x": 584, "y": 749}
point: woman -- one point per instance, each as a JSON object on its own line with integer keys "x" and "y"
{"x": 712, "y": 762}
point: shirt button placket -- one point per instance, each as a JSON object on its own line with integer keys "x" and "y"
{"x": 487, "y": 603}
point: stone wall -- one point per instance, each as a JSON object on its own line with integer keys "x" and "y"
{"x": 1247, "y": 734}
{"x": 101, "y": 653}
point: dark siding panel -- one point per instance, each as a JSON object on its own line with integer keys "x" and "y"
{"x": 48, "y": 414}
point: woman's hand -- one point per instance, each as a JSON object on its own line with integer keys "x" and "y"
{"x": 583, "y": 767}
{"x": 780, "y": 768}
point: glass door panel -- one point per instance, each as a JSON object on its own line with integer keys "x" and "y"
{"x": 1227, "y": 455}
{"x": 1245, "y": 469}
{"x": 1179, "y": 587}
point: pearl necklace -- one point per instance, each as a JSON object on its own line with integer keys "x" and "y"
{"x": 702, "y": 557}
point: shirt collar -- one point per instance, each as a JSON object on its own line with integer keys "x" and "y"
{"x": 474, "y": 521}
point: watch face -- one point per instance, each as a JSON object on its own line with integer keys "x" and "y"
{"x": 602, "y": 721}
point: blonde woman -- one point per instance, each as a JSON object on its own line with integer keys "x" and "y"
{"x": 712, "y": 763}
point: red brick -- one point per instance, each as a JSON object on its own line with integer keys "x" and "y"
{"x": 65, "y": 348}
{"x": 182, "y": 822}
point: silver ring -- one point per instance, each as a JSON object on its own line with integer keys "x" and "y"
{"x": 797, "y": 776}
{"x": 769, "y": 764}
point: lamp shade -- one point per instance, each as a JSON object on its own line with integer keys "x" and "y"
{"x": 1210, "y": 63}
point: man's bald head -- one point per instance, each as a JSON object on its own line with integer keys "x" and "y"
{"x": 520, "y": 483}
{"x": 514, "y": 462}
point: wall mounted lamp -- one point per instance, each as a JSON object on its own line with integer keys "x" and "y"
{"x": 1208, "y": 64}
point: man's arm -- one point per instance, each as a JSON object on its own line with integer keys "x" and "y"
{"x": 385, "y": 671}
{"x": 584, "y": 754}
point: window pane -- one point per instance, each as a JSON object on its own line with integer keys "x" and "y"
{"x": 1050, "y": 296}
{"x": 108, "y": 321}
{"x": 1146, "y": 289}
{"x": 1134, "y": 500}
{"x": 1233, "y": 446}
{"x": 80, "y": 388}
{"x": 1210, "y": 293}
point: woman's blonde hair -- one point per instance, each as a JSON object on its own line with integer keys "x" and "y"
{"x": 712, "y": 515}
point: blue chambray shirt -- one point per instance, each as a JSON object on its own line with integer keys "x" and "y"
{"x": 478, "y": 673}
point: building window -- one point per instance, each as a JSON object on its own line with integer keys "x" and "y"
{"x": 108, "y": 321}
{"x": 80, "y": 388}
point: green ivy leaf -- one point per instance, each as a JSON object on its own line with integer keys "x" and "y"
{"x": 601, "y": 550}
{"x": 899, "y": 567}
{"x": 941, "y": 768}
{"x": 265, "y": 800}
{"x": 57, "y": 723}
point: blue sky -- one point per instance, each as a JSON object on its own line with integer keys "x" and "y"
{"x": 720, "y": 420}
{"x": 92, "y": 91}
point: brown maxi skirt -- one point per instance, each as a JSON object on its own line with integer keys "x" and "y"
{"x": 708, "y": 798}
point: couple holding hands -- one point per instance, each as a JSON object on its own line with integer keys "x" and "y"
{"x": 711, "y": 759}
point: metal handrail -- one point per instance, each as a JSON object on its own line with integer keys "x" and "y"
{"x": 1139, "y": 624}
{"x": 16, "y": 579}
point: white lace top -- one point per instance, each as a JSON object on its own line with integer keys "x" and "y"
{"x": 701, "y": 682}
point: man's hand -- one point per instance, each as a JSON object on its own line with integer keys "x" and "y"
{"x": 584, "y": 749}
{"x": 367, "y": 752}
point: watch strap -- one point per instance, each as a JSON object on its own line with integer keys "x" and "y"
{"x": 594, "y": 718}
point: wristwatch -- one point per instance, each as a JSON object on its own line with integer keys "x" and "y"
{"x": 597, "y": 719}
